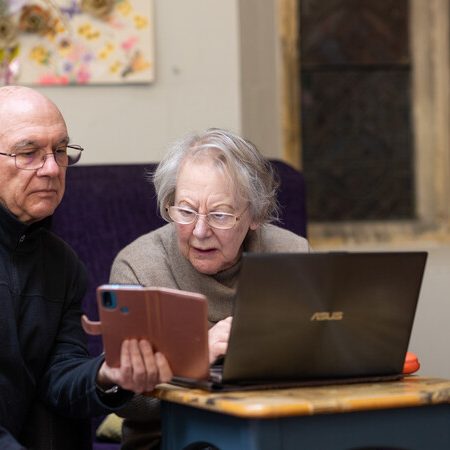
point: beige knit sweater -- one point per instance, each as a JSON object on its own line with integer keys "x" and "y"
{"x": 154, "y": 260}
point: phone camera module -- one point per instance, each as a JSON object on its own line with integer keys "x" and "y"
{"x": 109, "y": 300}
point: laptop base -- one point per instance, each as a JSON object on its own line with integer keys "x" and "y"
{"x": 216, "y": 386}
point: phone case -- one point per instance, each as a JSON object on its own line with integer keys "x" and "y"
{"x": 173, "y": 321}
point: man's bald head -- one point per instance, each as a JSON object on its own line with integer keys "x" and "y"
{"x": 30, "y": 123}
{"x": 15, "y": 97}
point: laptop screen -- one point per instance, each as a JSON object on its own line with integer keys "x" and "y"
{"x": 323, "y": 315}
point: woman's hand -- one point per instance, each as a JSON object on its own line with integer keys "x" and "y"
{"x": 140, "y": 369}
{"x": 218, "y": 338}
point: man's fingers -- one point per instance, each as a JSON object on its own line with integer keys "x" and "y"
{"x": 149, "y": 364}
{"x": 125, "y": 361}
{"x": 139, "y": 374}
{"x": 165, "y": 373}
{"x": 140, "y": 368}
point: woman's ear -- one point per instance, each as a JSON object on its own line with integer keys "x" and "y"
{"x": 254, "y": 226}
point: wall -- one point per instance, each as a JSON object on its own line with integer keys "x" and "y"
{"x": 197, "y": 86}
{"x": 217, "y": 66}
{"x": 260, "y": 75}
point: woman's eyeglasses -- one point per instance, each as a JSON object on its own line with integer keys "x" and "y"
{"x": 215, "y": 219}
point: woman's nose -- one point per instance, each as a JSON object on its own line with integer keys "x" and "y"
{"x": 201, "y": 227}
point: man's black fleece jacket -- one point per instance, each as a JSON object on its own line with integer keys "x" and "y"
{"x": 43, "y": 356}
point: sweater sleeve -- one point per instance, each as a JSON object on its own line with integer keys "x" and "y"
{"x": 7, "y": 442}
{"x": 122, "y": 271}
{"x": 69, "y": 382}
{"x": 273, "y": 239}
{"x": 145, "y": 261}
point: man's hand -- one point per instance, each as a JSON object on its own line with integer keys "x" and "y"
{"x": 140, "y": 369}
{"x": 218, "y": 338}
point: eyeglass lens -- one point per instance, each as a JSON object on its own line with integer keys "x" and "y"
{"x": 186, "y": 216}
{"x": 35, "y": 159}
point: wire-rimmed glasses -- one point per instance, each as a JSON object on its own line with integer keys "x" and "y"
{"x": 65, "y": 156}
{"x": 215, "y": 219}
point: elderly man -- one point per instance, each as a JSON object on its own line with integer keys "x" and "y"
{"x": 43, "y": 358}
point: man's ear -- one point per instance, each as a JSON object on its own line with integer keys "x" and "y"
{"x": 254, "y": 226}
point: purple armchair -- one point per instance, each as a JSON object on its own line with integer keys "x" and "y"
{"x": 106, "y": 207}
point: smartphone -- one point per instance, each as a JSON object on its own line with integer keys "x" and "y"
{"x": 175, "y": 322}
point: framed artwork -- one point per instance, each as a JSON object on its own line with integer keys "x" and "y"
{"x": 76, "y": 42}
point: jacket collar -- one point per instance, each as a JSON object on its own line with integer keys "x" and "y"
{"x": 13, "y": 232}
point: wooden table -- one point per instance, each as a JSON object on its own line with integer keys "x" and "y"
{"x": 413, "y": 414}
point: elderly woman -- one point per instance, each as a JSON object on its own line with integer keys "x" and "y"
{"x": 219, "y": 196}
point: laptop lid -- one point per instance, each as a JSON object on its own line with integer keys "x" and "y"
{"x": 322, "y": 315}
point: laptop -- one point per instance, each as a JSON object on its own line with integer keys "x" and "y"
{"x": 319, "y": 318}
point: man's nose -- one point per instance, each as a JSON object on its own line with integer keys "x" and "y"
{"x": 49, "y": 167}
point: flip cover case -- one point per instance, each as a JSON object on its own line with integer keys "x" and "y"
{"x": 173, "y": 321}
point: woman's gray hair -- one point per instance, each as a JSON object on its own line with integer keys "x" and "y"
{"x": 252, "y": 175}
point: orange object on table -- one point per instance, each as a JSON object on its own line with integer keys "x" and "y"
{"x": 411, "y": 364}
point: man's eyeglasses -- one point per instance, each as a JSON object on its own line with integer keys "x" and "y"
{"x": 35, "y": 159}
{"x": 215, "y": 219}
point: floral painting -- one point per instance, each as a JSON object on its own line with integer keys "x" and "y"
{"x": 60, "y": 42}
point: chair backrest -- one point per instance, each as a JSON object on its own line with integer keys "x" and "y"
{"x": 107, "y": 207}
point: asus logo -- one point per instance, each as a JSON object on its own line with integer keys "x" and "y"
{"x": 325, "y": 315}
